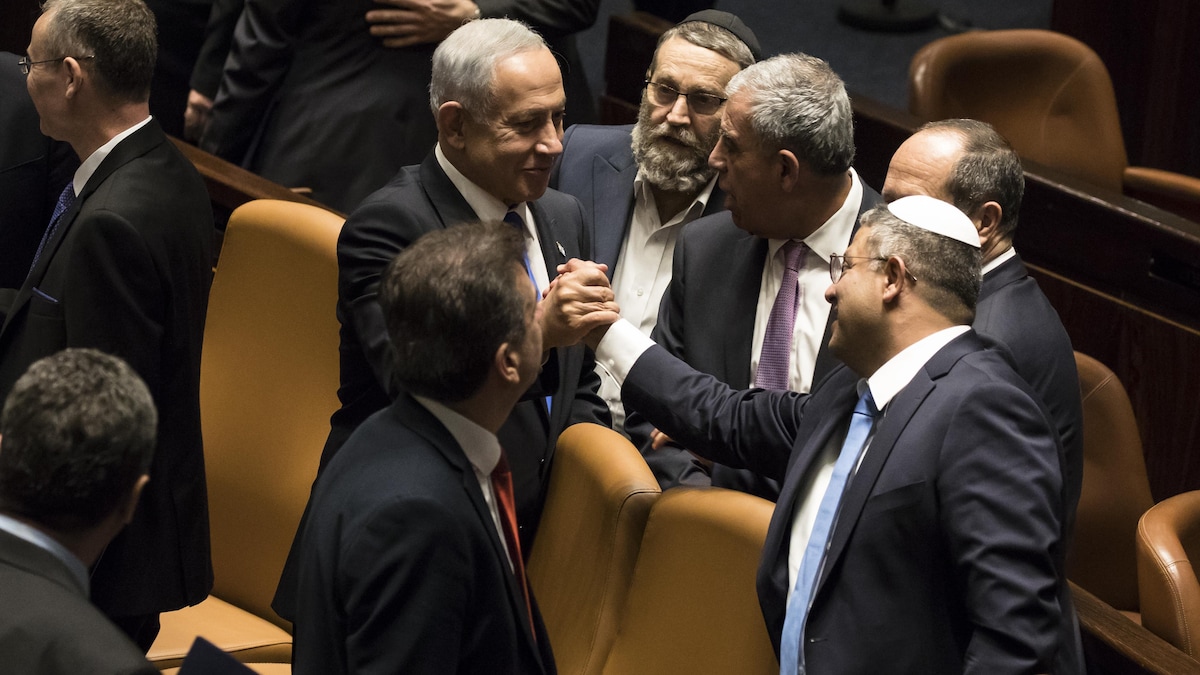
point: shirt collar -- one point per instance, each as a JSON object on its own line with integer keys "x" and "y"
{"x": 481, "y": 446}
{"x": 49, "y": 544}
{"x": 643, "y": 193}
{"x": 899, "y": 370}
{"x": 999, "y": 260}
{"x": 485, "y": 206}
{"x": 833, "y": 236}
{"x": 85, "y": 171}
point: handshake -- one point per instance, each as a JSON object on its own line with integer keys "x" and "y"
{"x": 579, "y": 305}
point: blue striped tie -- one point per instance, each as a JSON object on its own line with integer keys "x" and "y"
{"x": 65, "y": 200}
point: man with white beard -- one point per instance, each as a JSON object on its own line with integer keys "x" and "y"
{"x": 642, "y": 183}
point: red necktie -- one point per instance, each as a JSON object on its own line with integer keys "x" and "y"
{"x": 502, "y": 485}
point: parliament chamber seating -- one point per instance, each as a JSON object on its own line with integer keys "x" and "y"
{"x": 692, "y": 606}
{"x": 1168, "y": 540}
{"x": 268, "y": 383}
{"x": 597, "y": 503}
{"x": 1116, "y": 492}
{"x": 1051, "y": 96}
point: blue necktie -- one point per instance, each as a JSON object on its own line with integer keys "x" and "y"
{"x": 513, "y": 218}
{"x": 791, "y": 652}
{"x": 65, "y": 200}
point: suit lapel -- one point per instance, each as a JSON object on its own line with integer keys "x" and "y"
{"x": 447, "y": 201}
{"x": 135, "y": 145}
{"x": 746, "y": 261}
{"x": 609, "y": 184}
{"x": 888, "y": 430}
{"x": 414, "y": 416}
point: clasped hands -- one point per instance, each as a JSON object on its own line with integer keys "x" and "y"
{"x": 579, "y": 305}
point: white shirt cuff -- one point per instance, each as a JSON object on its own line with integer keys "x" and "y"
{"x": 620, "y": 348}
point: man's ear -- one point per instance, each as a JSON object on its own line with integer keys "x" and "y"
{"x": 897, "y": 278}
{"x": 75, "y": 76}
{"x": 451, "y": 118}
{"x": 988, "y": 221}
{"x": 128, "y": 508}
{"x": 790, "y": 169}
{"x": 507, "y": 363}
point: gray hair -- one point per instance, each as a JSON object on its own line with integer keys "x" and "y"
{"x": 799, "y": 104}
{"x": 710, "y": 37}
{"x": 988, "y": 170}
{"x": 947, "y": 269}
{"x": 79, "y": 429}
{"x": 464, "y": 64}
{"x": 120, "y": 34}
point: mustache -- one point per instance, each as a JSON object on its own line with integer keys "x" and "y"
{"x": 679, "y": 134}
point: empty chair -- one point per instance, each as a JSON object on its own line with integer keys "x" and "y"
{"x": 598, "y": 499}
{"x": 1116, "y": 491}
{"x": 268, "y": 384}
{"x": 693, "y": 607}
{"x": 1051, "y": 96}
{"x": 1168, "y": 540}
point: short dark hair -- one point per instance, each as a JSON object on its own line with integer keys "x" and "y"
{"x": 989, "y": 170}
{"x": 450, "y": 300}
{"x": 947, "y": 269}
{"x": 77, "y": 431}
{"x": 121, "y": 34}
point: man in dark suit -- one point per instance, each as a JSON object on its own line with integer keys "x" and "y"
{"x": 410, "y": 561}
{"x": 33, "y": 170}
{"x": 970, "y": 165}
{"x": 125, "y": 268}
{"x": 492, "y": 162}
{"x": 640, "y": 184}
{"x": 76, "y": 441}
{"x": 310, "y": 98}
{"x": 925, "y": 536}
{"x": 784, "y": 161}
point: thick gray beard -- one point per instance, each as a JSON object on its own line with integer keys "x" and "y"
{"x": 666, "y": 170}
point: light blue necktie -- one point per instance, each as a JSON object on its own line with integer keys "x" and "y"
{"x": 791, "y": 652}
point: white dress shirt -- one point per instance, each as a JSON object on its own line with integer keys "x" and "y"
{"x": 812, "y": 311}
{"x": 482, "y": 449}
{"x": 644, "y": 270}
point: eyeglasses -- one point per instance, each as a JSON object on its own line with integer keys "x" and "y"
{"x": 698, "y": 101}
{"x": 27, "y": 65}
{"x": 838, "y": 266}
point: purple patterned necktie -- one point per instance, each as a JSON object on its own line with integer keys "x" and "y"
{"x": 65, "y": 200}
{"x": 777, "y": 343}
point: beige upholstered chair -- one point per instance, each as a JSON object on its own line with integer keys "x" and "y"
{"x": 1116, "y": 491}
{"x": 1168, "y": 541}
{"x": 1051, "y": 96}
{"x": 582, "y": 561}
{"x": 268, "y": 384}
{"x": 692, "y": 607}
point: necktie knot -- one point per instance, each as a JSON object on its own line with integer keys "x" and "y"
{"x": 866, "y": 405}
{"x": 793, "y": 254}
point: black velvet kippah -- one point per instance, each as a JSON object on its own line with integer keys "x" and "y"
{"x": 730, "y": 23}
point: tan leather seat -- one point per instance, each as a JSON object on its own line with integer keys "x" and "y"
{"x": 1168, "y": 541}
{"x": 268, "y": 384}
{"x": 1051, "y": 96}
{"x": 599, "y": 497}
{"x": 1116, "y": 491}
{"x": 693, "y": 607}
